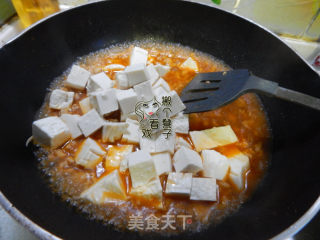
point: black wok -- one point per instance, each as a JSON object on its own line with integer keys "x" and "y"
{"x": 31, "y": 61}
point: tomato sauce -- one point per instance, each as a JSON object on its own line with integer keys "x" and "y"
{"x": 245, "y": 115}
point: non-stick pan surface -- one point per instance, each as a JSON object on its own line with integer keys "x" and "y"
{"x": 30, "y": 62}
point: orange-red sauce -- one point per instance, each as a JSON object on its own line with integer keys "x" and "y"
{"x": 245, "y": 115}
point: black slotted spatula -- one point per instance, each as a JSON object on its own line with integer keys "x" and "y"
{"x": 208, "y": 91}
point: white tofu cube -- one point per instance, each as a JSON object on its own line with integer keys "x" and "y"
{"x": 152, "y": 191}
{"x": 180, "y": 123}
{"x": 204, "y": 189}
{"x": 85, "y": 105}
{"x": 160, "y": 92}
{"x": 116, "y": 154}
{"x": 122, "y": 80}
{"x": 162, "y": 83}
{"x": 72, "y": 122}
{"x": 176, "y": 104}
{"x": 180, "y": 141}
{"x": 162, "y": 162}
{"x": 113, "y": 131}
{"x": 201, "y": 140}
{"x": 105, "y": 102}
{"x": 239, "y": 164}
{"x": 127, "y": 100}
{"x": 164, "y": 144}
{"x": 222, "y": 135}
{"x": 141, "y": 167}
{"x": 112, "y": 67}
{"x": 106, "y": 189}
{"x": 89, "y": 154}
{"x": 162, "y": 69}
{"x": 155, "y": 122}
{"x": 148, "y": 144}
{"x": 144, "y": 91}
{"x": 139, "y": 55}
{"x": 179, "y": 184}
{"x": 237, "y": 180}
{"x": 132, "y": 116}
{"x": 215, "y": 165}
{"x": 93, "y": 146}
{"x": 99, "y": 82}
{"x": 50, "y": 131}
{"x": 190, "y": 64}
{"x": 124, "y": 165}
{"x": 152, "y": 74}
{"x": 129, "y": 120}
{"x": 90, "y": 122}
{"x": 133, "y": 132}
{"x": 136, "y": 74}
{"x": 60, "y": 99}
{"x": 77, "y": 78}
{"x": 187, "y": 161}
{"x": 158, "y": 143}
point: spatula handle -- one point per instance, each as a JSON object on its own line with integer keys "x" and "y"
{"x": 272, "y": 88}
{"x": 298, "y": 97}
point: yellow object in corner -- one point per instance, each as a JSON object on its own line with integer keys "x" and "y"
{"x": 31, "y": 11}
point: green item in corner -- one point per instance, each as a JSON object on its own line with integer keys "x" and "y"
{"x": 6, "y": 10}
{"x": 216, "y": 1}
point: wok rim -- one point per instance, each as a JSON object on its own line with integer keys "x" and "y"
{"x": 42, "y": 233}
{"x": 191, "y": 1}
